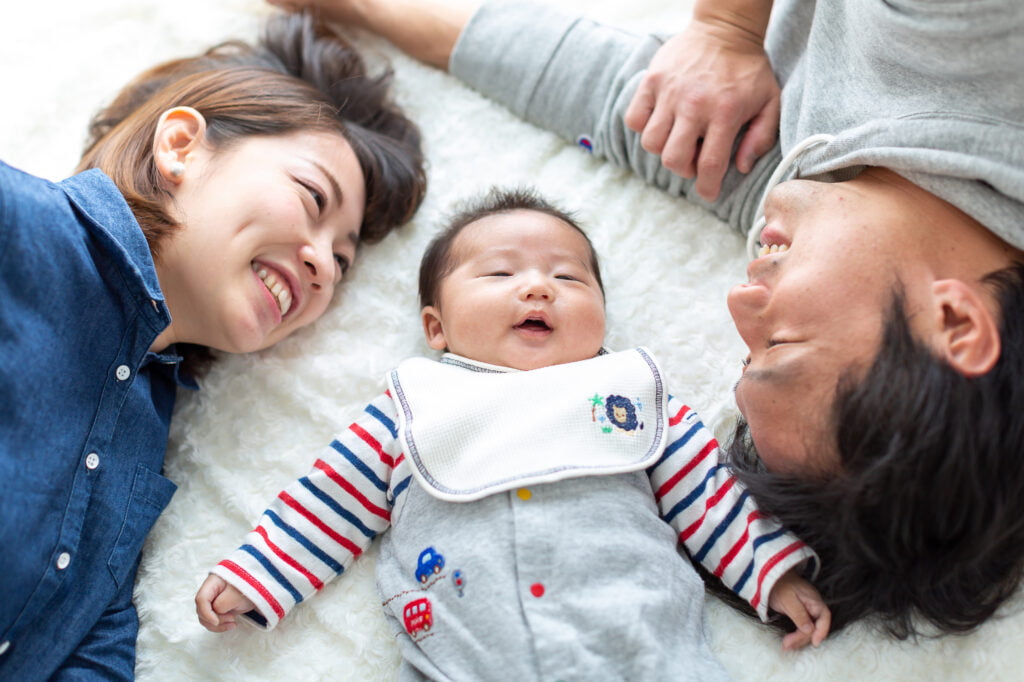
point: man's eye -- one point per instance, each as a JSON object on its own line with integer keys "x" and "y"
{"x": 342, "y": 262}
{"x": 318, "y": 198}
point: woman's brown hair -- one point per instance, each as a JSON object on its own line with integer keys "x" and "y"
{"x": 299, "y": 77}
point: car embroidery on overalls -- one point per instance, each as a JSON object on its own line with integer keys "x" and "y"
{"x": 430, "y": 561}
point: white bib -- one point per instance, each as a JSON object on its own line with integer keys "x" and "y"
{"x": 470, "y": 429}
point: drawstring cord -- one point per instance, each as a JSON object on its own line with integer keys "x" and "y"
{"x": 782, "y": 170}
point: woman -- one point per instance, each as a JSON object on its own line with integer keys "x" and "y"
{"x": 220, "y": 201}
{"x": 883, "y": 311}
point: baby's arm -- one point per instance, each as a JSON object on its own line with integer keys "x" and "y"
{"x": 715, "y": 517}
{"x": 315, "y": 528}
{"x": 217, "y": 604}
{"x": 801, "y": 602}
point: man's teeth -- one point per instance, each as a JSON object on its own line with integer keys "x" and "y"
{"x": 277, "y": 287}
{"x": 774, "y": 248}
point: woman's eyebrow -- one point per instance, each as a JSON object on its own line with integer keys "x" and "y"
{"x": 336, "y": 194}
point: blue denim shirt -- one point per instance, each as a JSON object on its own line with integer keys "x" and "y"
{"x": 84, "y": 415}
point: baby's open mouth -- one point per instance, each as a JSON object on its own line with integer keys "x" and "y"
{"x": 534, "y": 324}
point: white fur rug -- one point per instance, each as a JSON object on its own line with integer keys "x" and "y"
{"x": 259, "y": 419}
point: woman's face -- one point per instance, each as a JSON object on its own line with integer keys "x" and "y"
{"x": 269, "y": 227}
{"x": 814, "y": 310}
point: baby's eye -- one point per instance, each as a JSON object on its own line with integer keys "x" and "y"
{"x": 342, "y": 262}
{"x": 499, "y": 273}
{"x": 569, "y": 278}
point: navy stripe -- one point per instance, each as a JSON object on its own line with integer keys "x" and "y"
{"x": 738, "y": 587}
{"x": 274, "y": 573}
{"x": 383, "y": 419}
{"x": 400, "y": 488}
{"x": 722, "y": 527}
{"x": 360, "y": 466}
{"x": 750, "y": 567}
{"x": 694, "y": 494}
{"x": 305, "y": 542}
{"x": 675, "y": 445}
{"x": 335, "y": 507}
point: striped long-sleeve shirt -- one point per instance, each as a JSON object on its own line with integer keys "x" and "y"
{"x": 323, "y": 521}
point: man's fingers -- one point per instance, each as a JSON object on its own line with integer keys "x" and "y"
{"x": 759, "y": 138}
{"x": 640, "y": 108}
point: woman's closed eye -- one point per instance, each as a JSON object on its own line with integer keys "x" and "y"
{"x": 318, "y": 197}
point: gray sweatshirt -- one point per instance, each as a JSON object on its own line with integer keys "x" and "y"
{"x": 930, "y": 89}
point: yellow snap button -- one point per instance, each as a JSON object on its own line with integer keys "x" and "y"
{"x": 524, "y": 493}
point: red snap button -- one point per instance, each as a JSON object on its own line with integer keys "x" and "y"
{"x": 537, "y": 589}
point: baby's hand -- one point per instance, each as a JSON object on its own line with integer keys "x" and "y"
{"x": 798, "y": 599}
{"x": 217, "y": 604}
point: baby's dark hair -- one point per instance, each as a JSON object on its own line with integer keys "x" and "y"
{"x": 922, "y": 527}
{"x": 438, "y": 262}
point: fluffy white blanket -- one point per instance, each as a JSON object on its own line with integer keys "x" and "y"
{"x": 258, "y": 419}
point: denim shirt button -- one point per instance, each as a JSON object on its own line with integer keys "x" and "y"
{"x": 4, "y": 646}
{"x": 92, "y": 460}
{"x": 123, "y": 372}
{"x": 63, "y": 560}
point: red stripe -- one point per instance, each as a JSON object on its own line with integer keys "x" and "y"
{"x": 256, "y": 585}
{"x": 324, "y": 528}
{"x": 792, "y": 547}
{"x": 670, "y": 483}
{"x": 711, "y": 502}
{"x": 313, "y": 580}
{"x": 679, "y": 415}
{"x": 373, "y": 443}
{"x": 731, "y": 554}
{"x": 351, "y": 490}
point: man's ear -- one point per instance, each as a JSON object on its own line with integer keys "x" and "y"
{"x": 968, "y": 330}
{"x": 432, "y": 328}
{"x": 178, "y": 134}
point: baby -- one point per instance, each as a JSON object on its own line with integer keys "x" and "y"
{"x": 535, "y": 486}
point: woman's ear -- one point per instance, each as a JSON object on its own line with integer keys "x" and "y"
{"x": 968, "y": 330}
{"x": 178, "y": 134}
{"x": 432, "y": 328}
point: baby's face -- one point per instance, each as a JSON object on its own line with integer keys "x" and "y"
{"x": 523, "y": 294}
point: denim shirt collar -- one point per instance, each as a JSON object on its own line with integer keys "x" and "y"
{"x": 108, "y": 217}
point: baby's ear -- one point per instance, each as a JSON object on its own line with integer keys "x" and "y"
{"x": 968, "y": 331}
{"x": 433, "y": 330}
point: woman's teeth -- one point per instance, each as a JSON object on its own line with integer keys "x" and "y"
{"x": 282, "y": 294}
{"x": 774, "y": 248}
